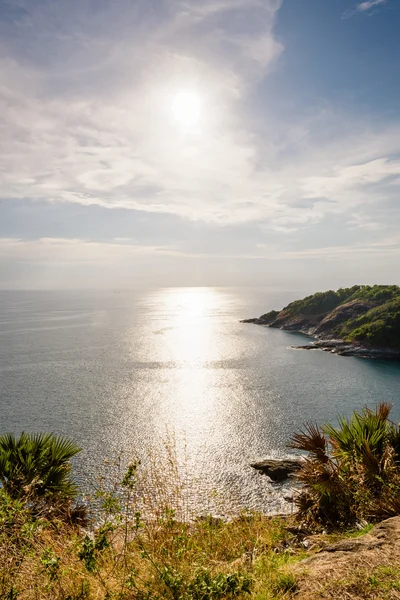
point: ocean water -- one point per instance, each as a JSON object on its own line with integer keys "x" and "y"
{"x": 121, "y": 371}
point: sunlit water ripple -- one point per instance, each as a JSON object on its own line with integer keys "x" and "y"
{"x": 115, "y": 371}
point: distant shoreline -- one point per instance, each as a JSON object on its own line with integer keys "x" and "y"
{"x": 362, "y": 321}
{"x": 335, "y": 346}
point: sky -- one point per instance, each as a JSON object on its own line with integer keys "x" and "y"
{"x": 179, "y": 142}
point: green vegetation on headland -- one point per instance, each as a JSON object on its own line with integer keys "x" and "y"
{"x": 140, "y": 546}
{"x": 362, "y": 315}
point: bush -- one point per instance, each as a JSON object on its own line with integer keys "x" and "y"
{"x": 352, "y": 472}
{"x": 35, "y": 468}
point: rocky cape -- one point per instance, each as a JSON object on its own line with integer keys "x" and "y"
{"x": 361, "y": 321}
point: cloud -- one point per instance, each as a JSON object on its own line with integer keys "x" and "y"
{"x": 126, "y": 152}
{"x": 345, "y": 180}
{"x": 364, "y": 6}
{"x": 85, "y": 112}
{"x": 70, "y": 251}
{"x": 75, "y": 251}
{"x": 95, "y": 126}
{"x": 384, "y": 248}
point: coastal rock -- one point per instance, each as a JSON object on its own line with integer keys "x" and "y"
{"x": 351, "y": 349}
{"x": 255, "y": 320}
{"x": 305, "y": 324}
{"x": 266, "y": 319}
{"x": 278, "y": 469}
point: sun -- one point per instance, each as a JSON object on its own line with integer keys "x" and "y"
{"x": 186, "y": 108}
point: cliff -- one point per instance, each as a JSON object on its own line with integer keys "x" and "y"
{"x": 361, "y": 320}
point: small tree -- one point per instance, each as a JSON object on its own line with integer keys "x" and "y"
{"x": 36, "y": 468}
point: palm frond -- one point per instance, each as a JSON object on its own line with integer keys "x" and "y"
{"x": 311, "y": 440}
{"x": 37, "y": 464}
{"x": 370, "y": 461}
{"x": 383, "y": 411}
{"x": 367, "y": 427}
{"x": 320, "y": 477}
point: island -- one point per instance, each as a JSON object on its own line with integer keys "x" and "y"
{"x": 362, "y": 321}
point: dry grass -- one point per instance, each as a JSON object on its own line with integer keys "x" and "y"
{"x": 355, "y": 567}
{"x": 148, "y": 544}
{"x": 156, "y": 559}
{"x": 378, "y": 583}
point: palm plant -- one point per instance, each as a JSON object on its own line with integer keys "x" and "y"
{"x": 319, "y": 476}
{"x": 36, "y": 466}
{"x": 352, "y": 471}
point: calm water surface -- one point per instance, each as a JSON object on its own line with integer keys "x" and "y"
{"x": 116, "y": 370}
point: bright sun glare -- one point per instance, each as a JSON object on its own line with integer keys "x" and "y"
{"x": 186, "y": 108}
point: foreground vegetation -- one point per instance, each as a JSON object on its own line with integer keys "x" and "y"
{"x": 146, "y": 545}
{"x": 352, "y": 472}
{"x": 134, "y": 559}
{"x": 141, "y": 547}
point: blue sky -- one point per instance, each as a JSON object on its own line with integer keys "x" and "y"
{"x": 289, "y": 176}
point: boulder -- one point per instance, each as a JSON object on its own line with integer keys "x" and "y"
{"x": 278, "y": 469}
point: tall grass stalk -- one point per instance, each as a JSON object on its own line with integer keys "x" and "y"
{"x": 146, "y": 542}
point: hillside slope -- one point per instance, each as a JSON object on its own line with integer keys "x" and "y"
{"x": 363, "y": 320}
{"x": 364, "y": 567}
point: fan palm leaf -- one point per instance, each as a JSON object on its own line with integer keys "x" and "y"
{"x": 311, "y": 440}
{"x": 38, "y": 464}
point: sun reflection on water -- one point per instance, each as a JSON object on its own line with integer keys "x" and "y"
{"x": 191, "y": 338}
{"x": 188, "y": 367}
{"x": 192, "y": 342}
{"x": 188, "y": 359}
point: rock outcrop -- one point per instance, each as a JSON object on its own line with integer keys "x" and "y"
{"x": 277, "y": 469}
{"x": 341, "y": 314}
{"x": 266, "y": 319}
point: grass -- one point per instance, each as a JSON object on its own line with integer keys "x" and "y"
{"x": 148, "y": 544}
{"x": 360, "y": 532}
{"x": 351, "y": 533}
{"x": 161, "y": 558}
{"x": 251, "y": 556}
{"x": 380, "y": 583}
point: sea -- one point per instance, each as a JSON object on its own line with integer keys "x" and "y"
{"x": 125, "y": 372}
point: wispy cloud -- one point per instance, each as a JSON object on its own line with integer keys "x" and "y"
{"x": 368, "y": 7}
{"x": 364, "y": 6}
{"x": 384, "y": 248}
{"x": 80, "y": 251}
{"x": 126, "y": 152}
{"x": 76, "y": 251}
{"x": 95, "y": 126}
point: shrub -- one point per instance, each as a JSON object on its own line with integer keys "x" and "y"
{"x": 352, "y": 471}
{"x": 35, "y": 468}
